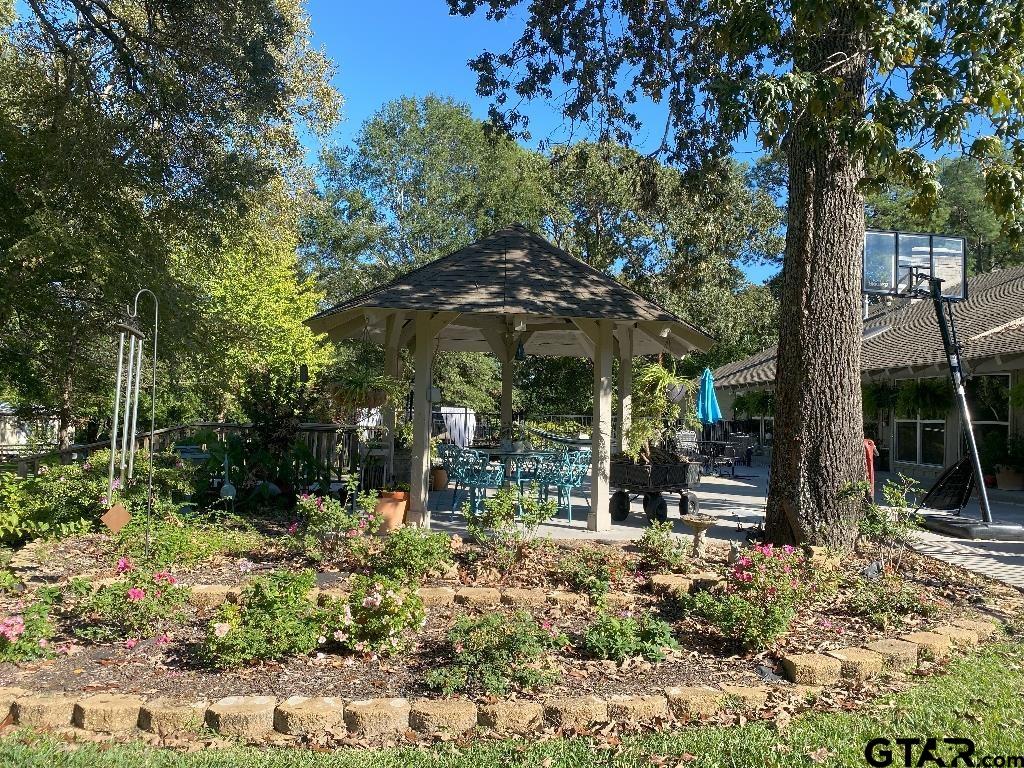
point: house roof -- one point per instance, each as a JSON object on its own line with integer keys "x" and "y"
{"x": 904, "y": 337}
{"x": 515, "y": 273}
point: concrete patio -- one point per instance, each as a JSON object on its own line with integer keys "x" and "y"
{"x": 739, "y": 504}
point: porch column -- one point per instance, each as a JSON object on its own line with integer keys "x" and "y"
{"x": 599, "y": 518}
{"x": 391, "y": 362}
{"x": 418, "y": 512}
{"x": 506, "y": 393}
{"x": 625, "y": 401}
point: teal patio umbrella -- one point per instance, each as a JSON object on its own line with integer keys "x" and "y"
{"x": 707, "y": 402}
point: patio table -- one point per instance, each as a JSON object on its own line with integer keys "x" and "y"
{"x": 510, "y": 456}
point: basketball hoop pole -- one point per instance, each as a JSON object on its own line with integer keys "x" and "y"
{"x": 956, "y": 374}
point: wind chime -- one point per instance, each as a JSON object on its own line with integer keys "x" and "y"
{"x": 126, "y": 413}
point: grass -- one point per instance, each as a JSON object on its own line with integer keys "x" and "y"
{"x": 980, "y": 697}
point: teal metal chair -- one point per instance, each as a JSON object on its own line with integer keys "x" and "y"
{"x": 455, "y": 465}
{"x": 479, "y": 474}
{"x": 565, "y": 474}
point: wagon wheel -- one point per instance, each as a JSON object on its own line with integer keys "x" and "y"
{"x": 656, "y": 507}
{"x": 619, "y": 506}
{"x": 688, "y": 504}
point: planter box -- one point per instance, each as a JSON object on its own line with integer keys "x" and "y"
{"x": 1008, "y": 479}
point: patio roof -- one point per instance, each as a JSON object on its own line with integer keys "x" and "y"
{"x": 514, "y": 280}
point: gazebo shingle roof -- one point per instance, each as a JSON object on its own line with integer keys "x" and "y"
{"x": 515, "y": 272}
{"x": 990, "y": 323}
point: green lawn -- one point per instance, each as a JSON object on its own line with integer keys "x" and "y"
{"x": 981, "y": 697}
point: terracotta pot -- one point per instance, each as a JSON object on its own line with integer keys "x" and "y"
{"x": 391, "y": 508}
{"x": 1009, "y": 479}
{"x": 439, "y": 479}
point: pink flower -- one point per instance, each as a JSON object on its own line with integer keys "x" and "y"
{"x": 293, "y": 528}
{"x": 372, "y": 601}
{"x": 458, "y": 647}
{"x": 221, "y": 628}
{"x": 43, "y": 642}
{"x": 130, "y": 643}
{"x": 12, "y": 628}
{"x": 165, "y": 577}
{"x": 788, "y": 549}
{"x": 352, "y": 533}
{"x": 339, "y": 636}
{"x": 135, "y": 594}
{"x": 125, "y": 564}
{"x": 163, "y": 640}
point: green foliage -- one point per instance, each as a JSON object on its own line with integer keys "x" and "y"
{"x": 329, "y": 528}
{"x": 889, "y": 601}
{"x": 63, "y": 499}
{"x": 274, "y": 619}
{"x": 25, "y": 635}
{"x": 621, "y": 637}
{"x": 894, "y": 523}
{"x": 759, "y": 402}
{"x": 139, "y": 604}
{"x": 878, "y": 396}
{"x": 654, "y": 406}
{"x": 924, "y": 398}
{"x": 409, "y": 554}
{"x": 507, "y": 522}
{"x": 591, "y": 570}
{"x": 185, "y": 538}
{"x": 379, "y": 616}
{"x": 496, "y": 653}
{"x": 660, "y": 549}
{"x": 763, "y": 591}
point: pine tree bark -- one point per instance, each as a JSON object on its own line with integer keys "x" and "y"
{"x": 817, "y": 455}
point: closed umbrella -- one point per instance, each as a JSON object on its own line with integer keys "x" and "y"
{"x": 707, "y": 402}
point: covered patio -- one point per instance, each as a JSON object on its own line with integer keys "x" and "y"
{"x": 510, "y": 293}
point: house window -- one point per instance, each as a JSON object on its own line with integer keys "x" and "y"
{"x": 921, "y": 441}
{"x": 989, "y": 400}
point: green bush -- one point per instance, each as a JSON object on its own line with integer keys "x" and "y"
{"x": 378, "y": 617}
{"x": 507, "y": 523}
{"x": 497, "y": 652}
{"x": 888, "y": 601}
{"x": 274, "y": 619}
{"x": 408, "y": 554}
{"x": 621, "y": 637}
{"x": 64, "y": 499}
{"x": 140, "y": 604}
{"x": 591, "y": 570}
{"x": 182, "y": 539}
{"x": 763, "y": 590}
{"x": 659, "y": 548}
{"x": 328, "y": 528}
{"x": 25, "y": 635}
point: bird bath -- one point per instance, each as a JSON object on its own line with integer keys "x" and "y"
{"x": 698, "y": 524}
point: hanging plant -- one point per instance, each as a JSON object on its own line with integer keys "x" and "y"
{"x": 924, "y": 398}
{"x": 660, "y": 397}
{"x": 1017, "y": 395}
{"x": 878, "y": 396}
{"x": 361, "y": 388}
{"x": 760, "y": 402}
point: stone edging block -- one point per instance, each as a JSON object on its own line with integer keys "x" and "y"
{"x": 511, "y": 716}
{"x": 811, "y": 668}
{"x": 107, "y": 712}
{"x": 377, "y": 717}
{"x": 428, "y": 716}
{"x": 164, "y": 716}
{"x": 576, "y": 713}
{"x": 305, "y": 715}
{"x": 242, "y": 716}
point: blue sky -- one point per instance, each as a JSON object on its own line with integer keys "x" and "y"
{"x": 399, "y": 48}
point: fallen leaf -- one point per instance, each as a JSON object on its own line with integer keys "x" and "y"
{"x": 820, "y": 755}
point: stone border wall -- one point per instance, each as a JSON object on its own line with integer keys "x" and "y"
{"x": 258, "y": 717}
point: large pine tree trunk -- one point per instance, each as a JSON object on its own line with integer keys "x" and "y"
{"x": 817, "y": 456}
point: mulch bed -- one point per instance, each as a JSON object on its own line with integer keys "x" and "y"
{"x": 705, "y": 658}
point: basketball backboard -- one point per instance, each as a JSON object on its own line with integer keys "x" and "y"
{"x": 891, "y": 259}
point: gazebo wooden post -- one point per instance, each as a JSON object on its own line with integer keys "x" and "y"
{"x": 625, "y": 399}
{"x": 506, "y": 388}
{"x": 418, "y": 510}
{"x": 393, "y": 330}
{"x": 599, "y": 518}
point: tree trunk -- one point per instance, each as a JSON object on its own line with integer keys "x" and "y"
{"x": 65, "y": 411}
{"x": 818, "y": 456}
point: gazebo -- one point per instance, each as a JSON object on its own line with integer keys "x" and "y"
{"x": 512, "y": 289}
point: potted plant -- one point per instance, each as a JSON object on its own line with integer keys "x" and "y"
{"x": 392, "y": 504}
{"x": 1010, "y": 473}
{"x": 438, "y": 474}
{"x": 660, "y": 396}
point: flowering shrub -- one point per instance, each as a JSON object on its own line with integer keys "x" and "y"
{"x": 26, "y": 635}
{"x": 507, "y": 523}
{"x": 496, "y": 652}
{"x": 140, "y": 604}
{"x": 377, "y": 618}
{"x": 274, "y": 619}
{"x": 660, "y": 549}
{"x": 761, "y": 596}
{"x": 621, "y": 637}
{"x": 591, "y": 570}
{"x": 888, "y": 601}
{"x": 408, "y": 554}
{"x": 327, "y": 527}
